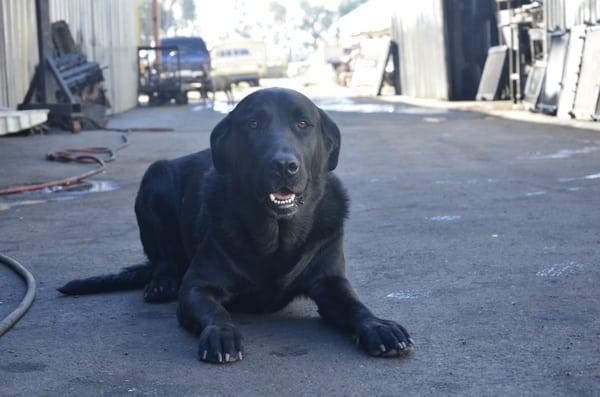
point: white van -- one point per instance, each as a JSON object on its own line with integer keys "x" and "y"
{"x": 239, "y": 61}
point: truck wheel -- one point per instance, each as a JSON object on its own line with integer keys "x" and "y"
{"x": 181, "y": 98}
{"x": 154, "y": 100}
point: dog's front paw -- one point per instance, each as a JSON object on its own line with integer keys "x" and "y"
{"x": 384, "y": 338}
{"x": 220, "y": 344}
{"x": 161, "y": 289}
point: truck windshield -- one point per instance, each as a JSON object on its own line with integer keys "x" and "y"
{"x": 186, "y": 44}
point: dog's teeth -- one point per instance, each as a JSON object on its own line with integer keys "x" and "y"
{"x": 289, "y": 200}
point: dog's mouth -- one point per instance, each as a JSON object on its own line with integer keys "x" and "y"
{"x": 284, "y": 202}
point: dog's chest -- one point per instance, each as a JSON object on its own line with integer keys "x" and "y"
{"x": 263, "y": 299}
{"x": 266, "y": 288}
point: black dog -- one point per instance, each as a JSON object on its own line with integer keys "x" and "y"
{"x": 249, "y": 225}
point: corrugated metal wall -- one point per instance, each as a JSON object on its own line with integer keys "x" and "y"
{"x": 19, "y": 46}
{"x": 418, "y": 28}
{"x": 106, "y": 29}
{"x": 566, "y": 13}
{"x": 443, "y": 45}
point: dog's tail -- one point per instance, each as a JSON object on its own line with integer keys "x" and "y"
{"x": 134, "y": 277}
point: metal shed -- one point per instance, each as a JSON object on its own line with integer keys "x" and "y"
{"x": 107, "y": 31}
{"x": 443, "y": 45}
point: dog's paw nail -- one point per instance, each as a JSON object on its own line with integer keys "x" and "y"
{"x": 240, "y": 356}
{"x": 382, "y": 348}
{"x": 226, "y": 357}
{"x": 412, "y": 342}
{"x": 204, "y": 355}
{"x": 220, "y": 357}
{"x": 400, "y": 346}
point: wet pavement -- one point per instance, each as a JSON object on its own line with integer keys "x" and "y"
{"x": 57, "y": 193}
{"x": 480, "y": 235}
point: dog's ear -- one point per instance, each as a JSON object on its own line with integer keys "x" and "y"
{"x": 218, "y": 145}
{"x": 331, "y": 135}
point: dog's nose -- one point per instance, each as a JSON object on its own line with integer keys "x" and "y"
{"x": 286, "y": 163}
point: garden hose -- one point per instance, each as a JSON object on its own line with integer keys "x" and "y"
{"x": 27, "y": 301}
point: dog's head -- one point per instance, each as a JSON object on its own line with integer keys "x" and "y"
{"x": 276, "y": 146}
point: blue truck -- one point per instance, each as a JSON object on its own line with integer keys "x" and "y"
{"x": 171, "y": 70}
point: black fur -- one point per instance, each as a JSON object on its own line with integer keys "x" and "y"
{"x": 134, "y": 277}
{"x": 217, "y": 240}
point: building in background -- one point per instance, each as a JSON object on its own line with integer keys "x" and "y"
{"x": 564, "y": 14}
{"x": 106, "y": 30}
{"x": 443, "y": 45}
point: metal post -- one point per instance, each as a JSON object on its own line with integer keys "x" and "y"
{"x": 42, "y": 13}
{"x": 511, "y": 58}
{"x": 156, "y": 22}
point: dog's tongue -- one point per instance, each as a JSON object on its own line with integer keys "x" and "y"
{"x": 282, "y": 197}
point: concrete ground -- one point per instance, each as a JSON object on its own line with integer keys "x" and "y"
{"x": 481, "y": 235}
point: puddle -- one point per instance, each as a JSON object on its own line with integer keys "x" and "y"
{"x": 340, "y": 105}
{"x": 217, "y": 106}
{"x": 56, "y": 193}
{"x": 473, "y": 181}
{"x": 561, "y": 154}
{"x": 445, "y": 218}
{"x": 532, "y": 194}
{"x": 348, "y": 105}
{"x": 407, "y": 294}
{"x": 560, "y": 269}
{"x": 585, "y": 177}
{"x": 435, "y": 120}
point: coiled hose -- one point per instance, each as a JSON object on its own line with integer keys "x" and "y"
{"x": 27, "y": 301}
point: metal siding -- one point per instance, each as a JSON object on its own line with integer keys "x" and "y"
{"x": 106, "y": 30}
{"x": 565, "y": 14}
{"x": 20, "y": 49}
{"x": 3, "y": 77}
{"x": 419, "y": 31}
{"x": 588, "y": 86}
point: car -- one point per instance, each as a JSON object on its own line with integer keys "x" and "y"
{"x": 239, "y": 61}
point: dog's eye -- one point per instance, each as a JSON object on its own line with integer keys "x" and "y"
{"x": 252, "y": 124}
{"x": 302, "y": 124}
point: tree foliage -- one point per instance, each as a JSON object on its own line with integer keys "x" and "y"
{"x": 316, "y": 20}
{"x": 167, "y": 19}
{"x": 188, "y": 8}
{"x": 279, "y": 12}
{"x": 348, "y": 5}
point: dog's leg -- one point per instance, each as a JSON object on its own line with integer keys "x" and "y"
{"x": 201, "y": 312}
{"x": 339, "y": 305}
{"x": 156, "y": 215}
{"x": 166, "y": 277}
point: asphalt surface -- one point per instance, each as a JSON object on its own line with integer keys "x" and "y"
{"x": 480, "y": 235}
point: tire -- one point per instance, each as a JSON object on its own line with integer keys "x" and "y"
{"x": 181, "y": 98}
